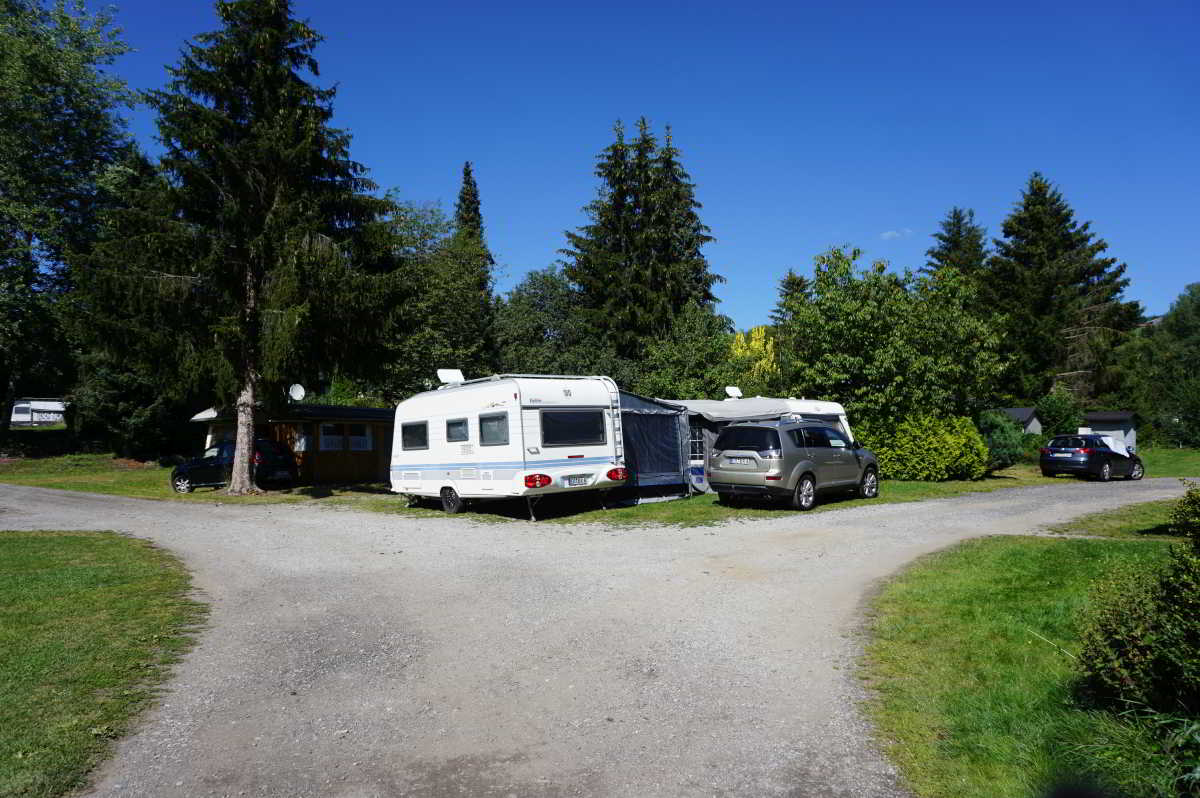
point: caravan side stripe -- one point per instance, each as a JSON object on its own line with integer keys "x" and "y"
{"x": 524, "y": 464}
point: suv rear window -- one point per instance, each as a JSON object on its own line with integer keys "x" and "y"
{"x": 753, "y": 439}
{"x": 1067, "y": 443}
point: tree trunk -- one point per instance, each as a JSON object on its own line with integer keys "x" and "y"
{"x": 240, "y": 482}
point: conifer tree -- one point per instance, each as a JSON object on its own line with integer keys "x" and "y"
{"x": 1061, "y": 301}
{"x": 261, "y": 230}
{"x": 960, "y": 244}
{"x": 638, "y": 262}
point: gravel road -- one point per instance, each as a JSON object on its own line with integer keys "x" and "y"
{"x": 354, "y": 654}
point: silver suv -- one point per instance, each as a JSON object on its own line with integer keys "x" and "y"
{"x": 790, "y": 460}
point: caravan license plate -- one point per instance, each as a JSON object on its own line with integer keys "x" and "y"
{"x": 577, "y": 481}
{"x": 740, "y": 461}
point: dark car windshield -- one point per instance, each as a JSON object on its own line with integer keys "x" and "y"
{"x": 754, "y": 439}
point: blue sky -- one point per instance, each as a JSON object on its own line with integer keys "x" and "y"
{"x": 804, "y": 125}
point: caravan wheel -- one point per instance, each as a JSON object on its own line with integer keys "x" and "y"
{"x": 451, "y": 501}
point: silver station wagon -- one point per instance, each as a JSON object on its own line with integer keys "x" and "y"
{"x": 791, "y": 460}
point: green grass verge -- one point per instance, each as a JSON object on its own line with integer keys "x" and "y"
{"x": 89, "y": 623}
{"x": 1142, "y": 520}
{"x": 97, "y": 473}
{"x": 971, "y": 664}
{"x": 1171, "y": 462}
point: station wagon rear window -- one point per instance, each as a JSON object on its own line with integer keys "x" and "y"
{"x": 414, "y": 435}
{"x": 752, "y": 439}
{"x": 572, "y": 427}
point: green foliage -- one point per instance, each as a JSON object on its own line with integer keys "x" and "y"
{"x": 59, "y": 128}
{"x": 1159, "y": 373}
{"x": 1185, "y": 516}
{"x": 887, "y": 346}
{"x": 1141, "y": 637}
{"x": 692, "y": 361}
{"x": 927, "y": 449}
{"x": 1060, "y": 412}
{"x": 638, "y": 262}
{"x": 1058, "y": 302}
{"x": 1004, "y": 439}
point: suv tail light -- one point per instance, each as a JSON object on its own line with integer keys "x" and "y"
{"x": 537, "y": 480}
{"x": 1086, "y": 450}
{"x": 618, "y": 474}
{"x": 258, "y": 458}
{"x": 1044, "y": 450}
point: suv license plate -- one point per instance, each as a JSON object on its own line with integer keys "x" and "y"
{"x": 741, "y": 461}
{"x": 282, "y": 474}
{"x": 577, "y": 481}
{"x": 1062, "y": 454}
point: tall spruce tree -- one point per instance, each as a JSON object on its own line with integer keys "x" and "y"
{"x": 468, "y": 254}
{"x": 960, "y": 244}
{"x": 260, "y": 230}
{"x": 1061, "y": 301}
{"x": 638, "y": 262}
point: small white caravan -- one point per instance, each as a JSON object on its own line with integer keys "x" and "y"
{"x": 507, "y": 436}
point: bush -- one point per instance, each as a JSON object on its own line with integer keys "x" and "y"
{"x": 1185, "y": 515}
{"x": 1004, "y": 439}
{"x": 928, "y": 449}
{"x": 1031, "y": 447}
{"x": 1141, "y": 637}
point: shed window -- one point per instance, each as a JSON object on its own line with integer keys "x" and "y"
{"x": 359, "y": 436}
{"x": 333, "y": 437}
{"x": 414, "y": 435}
{"x": 572, "y": 427}
{"x": 457, "y": 430}
{"x": 493, "y": 430}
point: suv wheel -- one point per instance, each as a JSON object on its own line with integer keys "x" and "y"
{"x": 181, "y": 484}
{"x": 869, "y": 487}
{"x": 1137, "y": 472}
{"x": 805, "y": 495}
{"x": 1105, "y": 473}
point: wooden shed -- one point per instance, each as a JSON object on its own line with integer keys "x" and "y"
{"x": 333, "y": 444}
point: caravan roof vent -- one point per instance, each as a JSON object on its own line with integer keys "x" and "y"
{"x": 733, "y": 392}
{"x": 450, "y": 376}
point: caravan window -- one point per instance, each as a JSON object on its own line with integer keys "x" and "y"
{"x": 414, "y": 435}
{"x": 696, "y": 440}
{"x": 572, "y": 427}
{"x": 493, "y": 430}
{"x": 457, "y": 430}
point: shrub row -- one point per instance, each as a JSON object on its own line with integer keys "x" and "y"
{"x": 928, "y": 449}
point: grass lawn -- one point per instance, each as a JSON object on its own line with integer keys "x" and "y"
{"x": 105, "y": 474}
{"x": 1143, "y": 520}
{"x": 971, "y": 665}
{"x": 89, "y": 622}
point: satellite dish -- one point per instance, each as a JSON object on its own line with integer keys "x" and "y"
{"x": 296, "y": 392}
{"x": 733, "y": 392}
{"x": 449, "y": 376}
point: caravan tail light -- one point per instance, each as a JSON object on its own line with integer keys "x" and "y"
{"x": 258, "y": 458}
{"x": 618, "y": 474}
{"x": 536, "y": 480}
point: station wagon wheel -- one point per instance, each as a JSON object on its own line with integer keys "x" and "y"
{"x": 805, "y": 495}
{"x": 1137, "y": 472}
{"x": 451, "y": 501}
{"x": 869, "y": 488}
{"x": 181, "y": 484}
{"x": 1105, "y": 473}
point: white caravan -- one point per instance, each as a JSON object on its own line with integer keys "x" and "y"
{"x": 506, "y": 436}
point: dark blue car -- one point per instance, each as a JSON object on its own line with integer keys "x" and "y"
{"x": 1096, "y": 456}
{"x": 273, "y": 464}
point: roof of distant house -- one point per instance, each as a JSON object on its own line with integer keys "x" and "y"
{"x": 296, "y": 412}
{"x": 1109, "y": 416}
{"x": 1021, "y": 415}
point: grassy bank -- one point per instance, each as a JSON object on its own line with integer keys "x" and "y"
{"x": 89, "y": 622}
{"x": 971, "y": 663}
{"x": 1146, "y": 520}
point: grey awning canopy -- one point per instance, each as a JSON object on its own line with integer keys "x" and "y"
{"x": 739, "y": 410}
